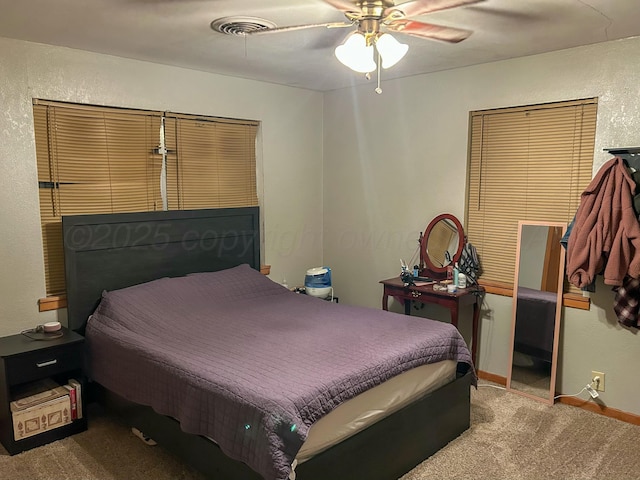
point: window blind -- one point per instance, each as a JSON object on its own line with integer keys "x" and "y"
{"x": 212, "y": 164}
{"x": 91, "y": 160}
{"x": 525, "y": 163}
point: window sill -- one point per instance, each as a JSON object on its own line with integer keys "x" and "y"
{"x": 52, "y": 303}
{"x": 570, "y": 300}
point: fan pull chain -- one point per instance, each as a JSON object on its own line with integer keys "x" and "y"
{"x": 378, "y": 90}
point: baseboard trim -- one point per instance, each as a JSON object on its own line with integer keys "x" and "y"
{"x": 594, "y": 406}
{"x": 597, "y": 407}
{"x": 492, "y": 377}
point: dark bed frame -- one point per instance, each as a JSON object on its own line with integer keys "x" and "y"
{"x": 107, "y": 252}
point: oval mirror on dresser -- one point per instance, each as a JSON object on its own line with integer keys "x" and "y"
{"x": 441, "y": 245}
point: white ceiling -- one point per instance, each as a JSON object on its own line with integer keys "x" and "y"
{"x": 177, "y": 32}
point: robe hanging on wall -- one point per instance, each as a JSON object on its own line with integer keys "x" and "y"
{"x": 605, "y": 238}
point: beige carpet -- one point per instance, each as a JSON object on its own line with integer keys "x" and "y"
{"x": 511, "y": 437}
{"x": 516, "y": 438}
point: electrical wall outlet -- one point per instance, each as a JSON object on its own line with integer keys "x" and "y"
{"x": 597, "y": 380}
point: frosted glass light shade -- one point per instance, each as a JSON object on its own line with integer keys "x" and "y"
{"x": 355, "y": 54}
{"x": 390, "y": 50}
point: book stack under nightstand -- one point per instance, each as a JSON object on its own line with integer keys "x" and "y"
{"x": 41, "y": 397}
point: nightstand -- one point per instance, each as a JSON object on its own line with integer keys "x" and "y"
{"x": 23, "y": 360}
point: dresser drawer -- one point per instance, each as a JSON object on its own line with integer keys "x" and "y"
{"x": 43, "y": 363}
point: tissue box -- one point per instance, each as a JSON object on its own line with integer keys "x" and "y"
{"x": 41, "y": 418}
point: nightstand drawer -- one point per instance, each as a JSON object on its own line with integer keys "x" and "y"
{"x": 43, "y": 363}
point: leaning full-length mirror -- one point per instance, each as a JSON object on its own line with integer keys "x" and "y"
{"x": 537, "y": 305}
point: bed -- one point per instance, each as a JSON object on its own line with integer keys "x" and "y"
{"x": 131, "y": 274}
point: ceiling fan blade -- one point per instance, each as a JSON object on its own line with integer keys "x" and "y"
{"x": 420, "y": 7}
{"x": 300, "y": 27}
{"x": 343, "y": 5}
{"x": 503, "y": 13}
{"x": 428, "y": 30}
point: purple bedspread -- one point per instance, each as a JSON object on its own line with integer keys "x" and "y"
{"x": 236, "y": 357}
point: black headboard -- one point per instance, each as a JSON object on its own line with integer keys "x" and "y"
{"x": 112, "y": 251}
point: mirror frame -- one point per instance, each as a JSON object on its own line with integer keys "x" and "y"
{"x": 434, "y": 270}
{"x": 556, "y": 331}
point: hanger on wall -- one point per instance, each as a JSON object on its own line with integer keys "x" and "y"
{"x": 630, "y": 154}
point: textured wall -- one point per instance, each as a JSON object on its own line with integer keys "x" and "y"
{"x": 394, "y": 161}
{"x": 391, "y": 163}
{"x": 289, "y": 154}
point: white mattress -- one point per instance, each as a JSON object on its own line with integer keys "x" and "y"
{"x": 373, "y": 405}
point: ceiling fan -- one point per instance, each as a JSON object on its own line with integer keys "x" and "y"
{"x": 372, "y": 18}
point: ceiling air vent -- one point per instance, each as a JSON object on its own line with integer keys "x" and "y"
{"x": 240, "y": 25}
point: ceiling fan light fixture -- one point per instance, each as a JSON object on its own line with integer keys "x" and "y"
{"x": 390, "y": 49}
{"x": 356, "y": 54}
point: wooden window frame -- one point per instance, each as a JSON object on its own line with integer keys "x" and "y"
{"x": 519, "y": 138}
